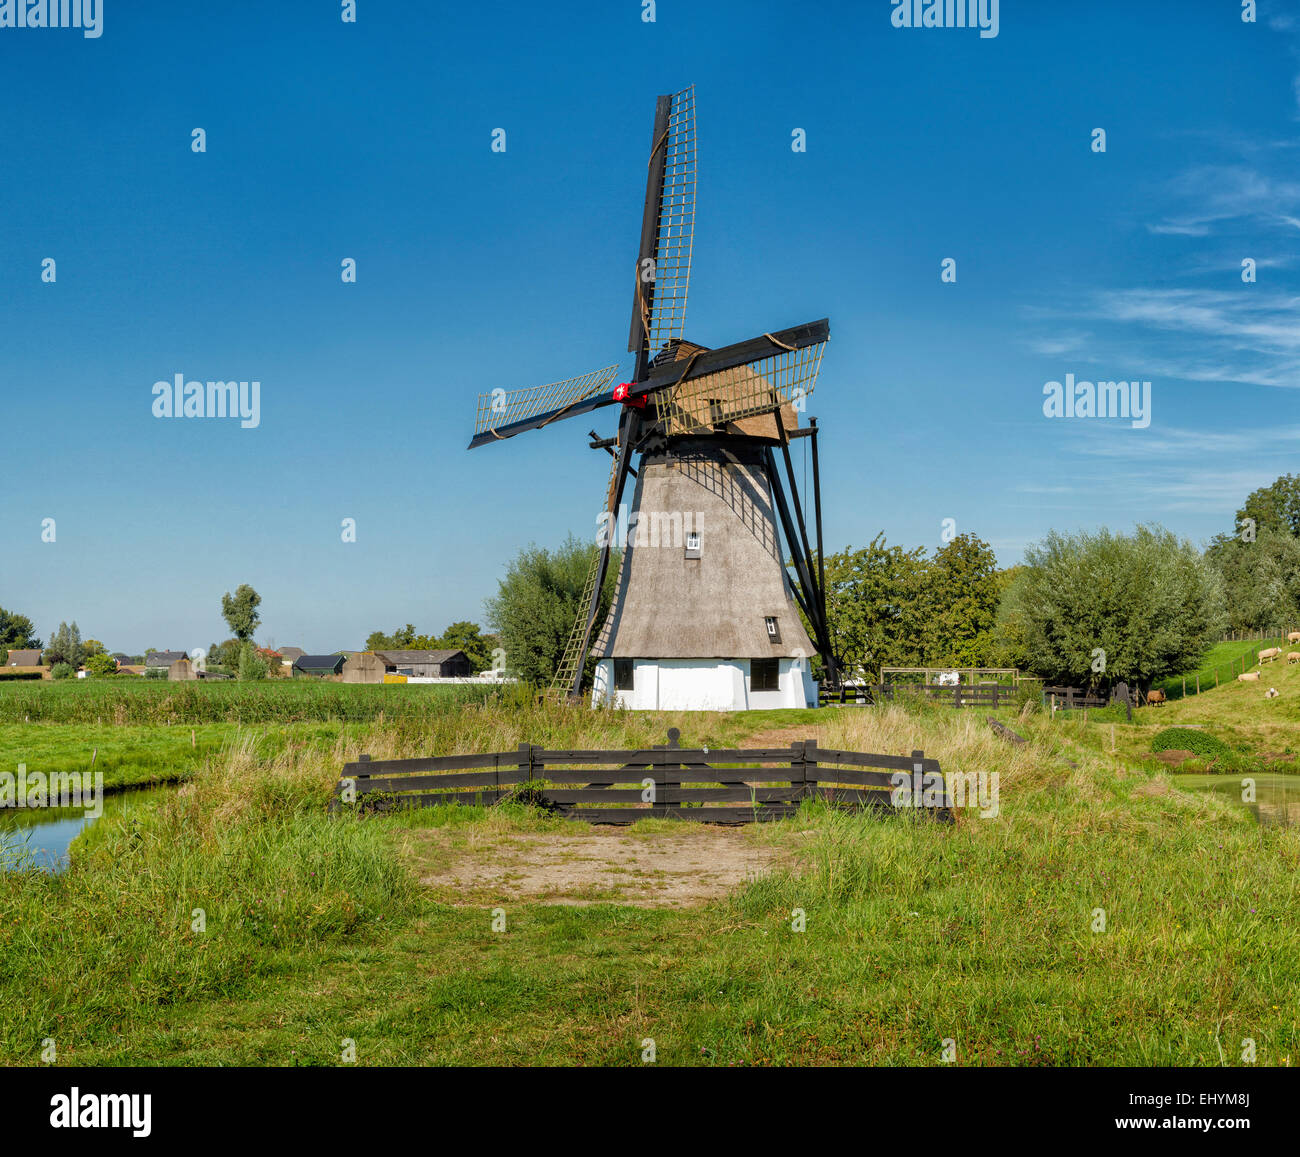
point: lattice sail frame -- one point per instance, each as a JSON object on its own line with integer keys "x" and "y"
{"x": 500, "y": 408}
{"x": 676, "y": 235}
{"x": 761, "y": 387}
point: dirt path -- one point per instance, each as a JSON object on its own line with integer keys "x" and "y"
{"x": 597, "y": 865}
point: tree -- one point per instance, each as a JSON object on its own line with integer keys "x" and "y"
{"x": 468, "y": 637}
{"x": 875, "y": 607}
{"x": 961, "y": 591}
{"x": 537, "y": 603}
{"x": 1261, "y": 578}
{"x": 17, "y": 632}
{"x": 402, "y": 639}
{"x": 226, "y": 654}
{"x": 240, "y": 612}
{"x": 1096, "y": 608}
{"x": 1275, "y": 507}
{"x": 101, "y": 664}
{"x": 65, "y": 647}
{"x": 93, "y": 647}
{"x": 251, "y": 664}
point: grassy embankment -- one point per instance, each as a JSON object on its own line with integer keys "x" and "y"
{"x": 1221, "y": 664}
{"x": 1263, "y": 734}
{"x": 317, "y": 929}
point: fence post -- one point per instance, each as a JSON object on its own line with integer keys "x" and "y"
{"x": 663, "y": 764}
{"x": 526, "y": 762}
{"x": 808, "y": 751}
{"x": 918, "y": 778}
{"x": 956, "y": 696}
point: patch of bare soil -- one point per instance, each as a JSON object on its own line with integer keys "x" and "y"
{"x": 781, "y": 738}
{"x": 1175, "y": 757}
{"x": 597, "y": 865}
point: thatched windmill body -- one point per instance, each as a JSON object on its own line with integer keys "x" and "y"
{"x": 705, "y": 614}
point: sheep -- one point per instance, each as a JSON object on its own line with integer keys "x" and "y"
{"x": 1156, "y": 698}
{"x": 1271, "y": 693}
{"x": 1249, "y": 677}
{"x": 1293, "y": 657}
{"x": 1293, "y": 637}
{"x": 1269, "y": 654}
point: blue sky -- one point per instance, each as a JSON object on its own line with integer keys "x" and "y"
{"x": 477, "y": 269}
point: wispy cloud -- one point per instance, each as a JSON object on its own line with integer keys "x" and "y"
{"x": 1212, "y": 194}
{"x": 1247, "y": 336}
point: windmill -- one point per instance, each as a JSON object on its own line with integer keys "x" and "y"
{"x": 707, "y": 618}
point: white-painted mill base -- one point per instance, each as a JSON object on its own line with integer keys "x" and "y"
{"x": 703, "y": 685}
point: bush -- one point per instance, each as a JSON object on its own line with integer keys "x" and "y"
{"x": 101, "y": 665}
{"x": 62, "y": 671}
{"x": 1189, "y": 739}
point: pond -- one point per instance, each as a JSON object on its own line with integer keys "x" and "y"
{"x": 40, "y": 837}
{"x": 1277, "y": 797}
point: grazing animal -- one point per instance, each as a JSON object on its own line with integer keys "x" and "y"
{"x": 1249, "y": 677}
{"x": 1293, "y": 637}
{"x": 1293, "y": 657}
{"x": 1269, "y": 654}
{"x": 1271, "y": 693}
{"x": 1156, "y": 698}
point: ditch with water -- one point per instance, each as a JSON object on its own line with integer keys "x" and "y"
{"x": 40, "y": 837}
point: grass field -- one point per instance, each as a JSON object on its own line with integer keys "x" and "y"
{"x": 319, "y": 929}
{"x": 123, "y": 701}
{"x": 1223, "y": 662}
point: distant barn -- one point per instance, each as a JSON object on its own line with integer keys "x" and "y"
{"x": 426, "y": 664}
{"x": 318, "y": 666}
{"x": 372, "y": 666}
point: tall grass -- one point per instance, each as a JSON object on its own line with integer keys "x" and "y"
{"x": 123, "y": 701}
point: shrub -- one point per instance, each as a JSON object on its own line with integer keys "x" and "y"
{"x": 1189, "y": 739}
{"x": 101, "y": 664}
{"x": 62, "y": 671}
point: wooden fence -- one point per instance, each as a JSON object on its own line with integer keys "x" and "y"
{"x": 963, "y": 695}
{"x": 1070, "y": 698}
{"x": 621, "y": 787}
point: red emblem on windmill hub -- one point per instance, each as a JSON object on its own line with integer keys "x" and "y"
{"x": 621, "y": 392}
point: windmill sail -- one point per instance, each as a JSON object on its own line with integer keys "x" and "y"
{"x": 502, "y": 408}
{"x": 668, "y": 231}
{"x": 733, "y": 394}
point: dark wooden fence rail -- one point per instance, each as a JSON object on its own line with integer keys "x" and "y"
{"x": 743, "y": 795}
{"x": 1070, "y": 698}
{"x": 963, "y": 695}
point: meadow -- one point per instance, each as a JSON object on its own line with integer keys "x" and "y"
{"x": 317, "y": 928}
{"x": 124, "y": 700}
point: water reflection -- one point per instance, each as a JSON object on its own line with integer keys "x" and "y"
{"x": 40, "y": 837}
{"x": 1277, "y": 797}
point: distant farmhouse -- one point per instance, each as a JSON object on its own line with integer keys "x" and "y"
{"x": 372, "y": 666}
{"x": 156, "y": 660}
{"x": 290, "y": 655}
{"x": 23, "y": 659}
